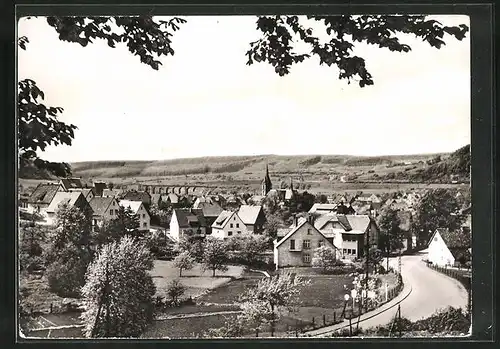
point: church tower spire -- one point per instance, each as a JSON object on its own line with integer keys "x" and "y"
{"x": 266, "y": 183}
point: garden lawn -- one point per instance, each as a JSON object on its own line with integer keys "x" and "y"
{"x": 196, "y": 280}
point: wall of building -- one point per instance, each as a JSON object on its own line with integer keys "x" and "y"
{"x": 352, "y": 246}
{"x": 438, "y": 253}
{"x": 233, "y": 227}
{"x": 287, "y": 258}
{"x": 174, "y": 227}
{"x": 144, "y": 218}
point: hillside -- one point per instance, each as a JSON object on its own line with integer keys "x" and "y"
{"x": 244, "y": 167}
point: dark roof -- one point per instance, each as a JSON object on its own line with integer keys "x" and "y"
{"x": 344, "y": 221}
{"x": 190, "y": 218}
{"x": 72, "y": 183}
{"x": 100, "y": 204}
{"x": 134, "y": 195}
{"x": 210, "y": 209}
{"x": 43, "y": 194}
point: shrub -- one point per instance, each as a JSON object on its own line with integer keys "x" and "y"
{"x": 175, "y": 291}
{"x": 66, "y": 279}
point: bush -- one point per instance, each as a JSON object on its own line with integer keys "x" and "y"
{"x": 66, "y": 279}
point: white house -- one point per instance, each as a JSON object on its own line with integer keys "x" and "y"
{"x": 296, "y": 248}
{"x": 253, "y": 217}
{"x": 446, "y": 247}
{"x": 72, "y": 199}
{"x": 42, "y": 196}
{"x": 138, "y": 209}
{"x": 187, "y": 222}
{"x": 105, "y": 209}
{"x": 228, "y": 224}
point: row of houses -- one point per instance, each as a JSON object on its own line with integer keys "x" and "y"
{"x": 211, "y": 219}
{"x": 47, "y": 197}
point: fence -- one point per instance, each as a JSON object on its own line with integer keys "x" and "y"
{"x": 457, "y": 275}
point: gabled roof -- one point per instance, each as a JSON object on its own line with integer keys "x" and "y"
{"x": 454, "y": 240}
{"x": 84, "y": 191}
{"x": 111, "y": 192}
{"x": 289, "y": 194}
{"x": 100, "y": 204}
{"x": 137, "y": 196}
{"x": 323, "y": 207}
{"x": 68, "y": 183}
{"x": 61, "y": 197}
{"x": 210, "y": 209}
{"x": 44, "y": 193}
{"x": 305, "y": 222}
{"x": 133, "y": 205}
{"x": 173, "y": 198}
{"x": 190, "y": 218}
{"x": 222, "y": 219}
{"x": 249, "y": 214}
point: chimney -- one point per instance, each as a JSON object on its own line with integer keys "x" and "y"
{"x": 311, "y": 219}
{"x": 295, "y": 221}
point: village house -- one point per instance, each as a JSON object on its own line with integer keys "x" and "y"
{"x": 447, "y": 247}
{"x": 42, "y": 196}
{"x": 187, "y": 222}
{"x": 105, "y": 209}
{"x": 211, "y": 211}
{"x": 138, "y": 208}
{"x": 23, "y": 202}
{"x": 88, "y": 193}
{"x": 71, "y": 199}
{"x": 71, "y": 183}
{"x": 171, "y": 199}
{"x": 296, "y": 249}
{"x": 114, "y": 193}
{"x": 253, "y": 217}
{"x": 99, "y": 188}
{"x": 323, "y": 208}
{"x": 134, "y": 195}
{"x": 349, "y": 233}
{"x": 228, "y": 224}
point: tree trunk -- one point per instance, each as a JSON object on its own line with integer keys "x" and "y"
{"x": 180, "y": 272}
{"x": 272, "y": 321}
{"x": 213, "y": 272}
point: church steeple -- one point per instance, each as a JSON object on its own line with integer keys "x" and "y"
{"x": 266, "y": 183}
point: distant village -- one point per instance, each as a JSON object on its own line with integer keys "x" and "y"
{"x": 345, "y": 223}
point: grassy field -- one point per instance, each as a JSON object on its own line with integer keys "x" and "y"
{"x": 196, "y": 280}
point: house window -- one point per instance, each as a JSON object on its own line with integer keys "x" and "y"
{"x": 230, "y": 225}
{"x": 292, "y": 244}
{"x": 435, "y": 238}
{"x": 306, "y": 257}
{"x": 308, "y": 231}
{"x": 306, "y": 244}
{"x": 111, "y": 212}
{"x": 239, "y": 232}
{"x": 354, "y": 251}
{"x": 113, "y": 203}
{"x": 320, "y": 243}
{"x": 229, "y": 233}
{"x": 237, "y": 225}
{"x": 144, "y": 224}
{"x": 348, "y": 251}
{"x": 143, "y": 215}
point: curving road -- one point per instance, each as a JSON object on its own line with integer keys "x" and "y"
{"x": 430, "y": 291}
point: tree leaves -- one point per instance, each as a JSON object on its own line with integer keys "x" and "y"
{"x": 39, "y": 127}
{"x": 143, "y": 36}
{"x": 279, "y": 31}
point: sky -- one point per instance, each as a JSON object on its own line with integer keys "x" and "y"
{"x": 205, "y": 100}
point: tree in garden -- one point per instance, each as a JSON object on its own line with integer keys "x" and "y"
{"x": 118, "y": 295}
{"x": 175, "y": 290}
{"x": 31, "y": 238}
{"x": 252, "y": 247}
{"x": 126, "y": 223}
{"x": 192, "y": 244}
{"x": 271, "y": 226}
{"x": 215, "y": 255}
{"x": 70, "y": 251}
{"x": 437, "y": 208}
{"x": 184, "y": 261}
{"x": 160, "y": 216}
{"x": 391, "y": 235}
{"x": 158, "y": 243}
{"x": 265, "y": 303}
{"x": 324, "y": 257}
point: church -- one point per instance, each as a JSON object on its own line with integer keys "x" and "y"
{"x": 284, "y": 195}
